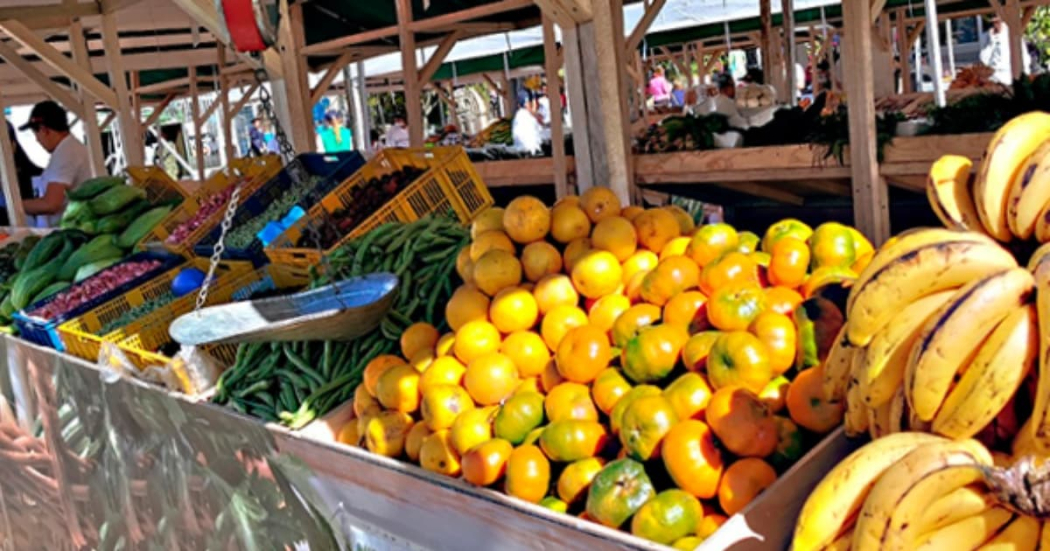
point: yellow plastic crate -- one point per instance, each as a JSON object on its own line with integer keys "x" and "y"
{"x": 448, "y": 183}
{"x": 257, "y": 171}
{"x": 80, "y": 334}
{"x": 159, "y": 187}
{"x": 143, "y": 338}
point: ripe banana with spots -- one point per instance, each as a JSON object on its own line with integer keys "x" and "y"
{"x": 1003, "y": 159}
{"x": 952, "y": 507}
{"x": 968, "y": 533}
{"x": 1039, "y": 264}
{"x": 837, "y": 367}
{"x": 1022, "y": 534}
{"x": 948, "y": 190}
{"x": 855, "y": 419}
{"x": 955, "y": 332}
{"x": 992, "y": 378}
{"x": 929, "y": 269}
{"x": 1029, "y": 193}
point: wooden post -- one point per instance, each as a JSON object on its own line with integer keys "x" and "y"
{"x": 224, "y": 98}
{"x": 92, "y": 134}
{"x": 292, "y": 93}
{"x": 788, "y": 13}
{"x": 130, "y": 129}
{"x": 195, "y": 114}
{"x": 949, "y": 39}
{"x": 16, "y": 214}
{"x": 410, "y": 73}
{"x": 574, "y": 41}
{"x": 561, "y": 177}
{"x": 765, "y": 16}
{"x": 904, "y": 51}
{"x": 870, "y": 194}
{"x": 1014, "y": 22}
{"x": 933, "y": 46}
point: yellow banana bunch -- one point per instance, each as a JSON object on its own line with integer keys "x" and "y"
{"x": 1001, "y": 166}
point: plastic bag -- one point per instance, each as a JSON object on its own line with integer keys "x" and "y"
{"x": 192, "y": 372}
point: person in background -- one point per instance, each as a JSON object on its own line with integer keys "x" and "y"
{"x": 678, "y": 94}
{"x": 659, "y": 89}
{"x": 543, "y": 107}
{"x": 397, "y": 135}
{"x": 25, "y": 171}
{"x": 68, "y": 167}
{"x": 335, "y": 136}
{"x": 528, "y": 135}
{"x": 272, "y": 145}
{"x": 995, "y": 52}
{"x": 256, "y": 137}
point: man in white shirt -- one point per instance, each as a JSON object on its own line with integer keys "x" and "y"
{"x": 995, "y": 53}
{"x": 543, "y": 107}
{"x": 397, "y": 135}
{"x": 528, "y": 135}
{"x": 68, "y": 167}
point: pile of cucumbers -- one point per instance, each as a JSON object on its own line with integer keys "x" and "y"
{"x": 107, "y": 205}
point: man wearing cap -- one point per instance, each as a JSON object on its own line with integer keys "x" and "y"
{"x": 68, "y": 167}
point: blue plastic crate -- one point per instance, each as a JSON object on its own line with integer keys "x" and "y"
{"x": 45, "y": 331}
{"x": 333, "y": 168}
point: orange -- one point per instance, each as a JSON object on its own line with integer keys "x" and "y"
{"x": 466, "y": 304}
{"x": 638, "y": 392}
{"x": 616, "y": 235}
{"x": 555, "y": 290}
{"x": 531, "y": 384}
{"x": 788, "y": 227}
{"x": 596, "y": 274}
{"x": 742, "y": 482}
{"x": 668, "y": 517}
{"x": 445, "y": 370}
{"x": 526, "y": 219}
{"x": 496, "y": 270}
{"x": 442, "y": 404}
{"x": 675, "y": 247}
{"x": 631, "y": 212}
{"x": 607, "y": 389}
{"x": 486, "y": 463}
{"x": 778, "y": 333}
{"x": 349, "y": 434}
{"x": 808, "y": 407}
{"x": 742, "y": 422}
{"x": 375, "y": 369}
{"x": 733, "y": 308}
{"x": 488, "y": 219}
{"x": 730, "y": 268}
{"x": 697, "y": 350}
{"x": 550, "y": 377}
{"x": 832, "y": 246}
{"x": 568, "y": 223}
{"x": 414, "y": 440}
{"x": 689, "y": 394}
{"x": 436, "y": 454}
{"x": 576, "y": 479}
{"x": 640, "y": 261}
{"x": 633, "y": 289}
{"x": 490, "y": 378}
{"x": 774, "y": 396}
{"x": 600, "y": 203}
{"x": 475, "y": 339}
{"x": 558, "y": 322}
{"x": 573, "y": 439}
{"x": 686, "y": 224}
{"x": 605, "y": 311}
{"x": 513, "y": 309}
{"x": 618, "y": 491}
{"x": 709, "y": 525}
{"x": 570, "y": 401}
{"x": 365, "y": 403}
{"x": 653, "y": 353}
{"x": 782, "y": 300}
{"x": 398, "y": 389}
{"x": 465, "y": 265}
{"x": 747, "y": 242}
{"x": 570, "y": 200}
{"x": 583, "y": 353}
{"x": 655, "y": 228}
{"x": 688, "y": 543}
{"x": 488, "y": 241}
{"x": 790, "y": 445}
{"x": 710, "y": 242}
{"x": 539, "y": 259}
{"x": 636, "y": 317}
{"x": 688, "y": 309}
{"x": 528, "y": 352}
{"x": 671, "y": 276}
{"x": 471, "y": 428}
{"x": 574, "y": 251}
{"x": 418, "y": 336}
{"x": 693, "y": 459}
{"x": 385, "y": 433}
{"x": 739, "y": 358}
{"x": 528, "y": 474}
{"x": 644, "y": 424}
{"x": 519, "y": 415}
{"x": 789, "y": 262}
{"x": 421, "y": 360}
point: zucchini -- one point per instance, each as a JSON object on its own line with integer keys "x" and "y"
{"x": 49, "y": 290}
{"x": 115, "y": 198}
{"x": 117, "y": 222}
{"x": 94, "y": 187}
{"x": 88, "y": 270}
{"x": 43, "y": 251}
{"x": 141, "y": 226}
{"x": 31, "y": 282}
{"x": 99, "y": 248}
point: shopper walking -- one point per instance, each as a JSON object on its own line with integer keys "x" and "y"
{"x": 68, "y": 167}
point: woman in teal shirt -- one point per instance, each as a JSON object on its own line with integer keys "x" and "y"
{"x": 336, "y": 137}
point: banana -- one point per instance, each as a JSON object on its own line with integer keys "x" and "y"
{"x": 1042, "y": 224}
{"x": 1020, "y": 535}
{"x": 885, "y": 358}
{"x": 948, "y": 189}
{"x": 993, "y": 377}
{"x": 903, "y": 243}
{"x": 1003, "y": 159}
{"x": 840, "y": 495}
{"x": 930, "y": 269}
{"x": 1029, "y": 193}
{"x": 898, "y": 412}
{"x": 1039, "y": 264}
{"x": 968, "y": 533}
{"x": 841, "y": 543}
{"x": 879, "y": 420}
{"x": 954, "y": 333}
{"x": 953, "y": 507}
{"x": 1044, "y": 537}
{"x": 1024, "y": 441}
{"x": 837, "y": 368}
{"x": 905, "y": 491}
{"x": 855, "y": 418}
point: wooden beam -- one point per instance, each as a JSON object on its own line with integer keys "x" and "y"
{"x": 130, "y": 127}
{"x": 345, "y": 41}
{"x": 438, "y": 57}
{"x": 904, "y": 49}
{"x": 16, "y": 214}
{"x": 870, "y": 193}
{"x": 56, "y": 91}
{"x": 788, "y": 14}
{"x": 158, "y": 110}
{"x": 765, "y": 18}
{"x": 876, "y": 8}
{"x": 205, "y": 14}
{"x": 112, "y": 116}
{"x": 292, "y": 92}
{"x": 329, "y": 75}
{"x": 207, "y": 113}
{"x": 58, "y": 61}
{"x": 236, "y": 108}
{"x": 610, "y": 86}
{"x": 195, "y": 116}
{"x": 772, "y": 192}
{"x": 224, "y": 105}
{"x": 479, "y": 12}
{"x": 651, "y": 11}
{"x": 1012, "y": 17}
{"x": 35, "y": 15}
{"x": 92, "y": 134}
{"x": 477, "y": 27}
{"x": 413, "y": 101}
{"x": 551, "y": 66}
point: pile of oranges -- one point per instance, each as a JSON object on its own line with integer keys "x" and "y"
{"x": 618, "y": 363}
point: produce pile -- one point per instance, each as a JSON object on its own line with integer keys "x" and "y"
{"x": 106, "y": 281}
{"x": 106, "y": 205}
{"x": 682, "y": 133}
{"x": 619, "y": 362}
{"x": 499, "y": 133}
{"x": 294, "y": 383}
{"x": 134, "y": 314}
{"x": 213, "y": 204}
{"x": 244, "y": 234}
{"x": 13, "y": 256}
{"x": 363, "y": 202}
{"x": 989, "y": 111}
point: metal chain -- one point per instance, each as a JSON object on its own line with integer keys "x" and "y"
{"x": 287, "y": 151}
{"x": 220, "y": 244}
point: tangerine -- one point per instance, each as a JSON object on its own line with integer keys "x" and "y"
{"x": 774, "y": 396}
{"x": 618, "y": 491}
{"x": 689, "y": 309}
{"x": 789, "y": 262}
{"x": 471, "y": 428}
{"x": 668, "y": 517}
{"x": 375, "y": 369}
{"x": 790, "y": 446}
{"x": 742, "y": 422}
{"x": 689, "y": 394}
{"x": 365, "y": 403}
{"x": 671, "y": 276}
{"x": 519, "y": 415}
{"x": 555, "y": 290}
{"x": 442, "y": 404}
{"x": 640, "y": 261}
{"x": 712, "y": 241}
{"x": 486, "y": 463}
{"x": 697, "y": 350}
{"x": 605, "y": 310}
{"x": 465, "y": 265}
{"x": 436, "y": 454}
{"x": 653, "y": 353}
{"x": 778, "y": 333}
{"x": 558, "y": 322}
{"x": 693, "y": 459}
{"x": 385, "y": 433}
{"x": 496, "y": 270}
{"x": 398, "y": 389}
{"x": 488, "y": 219}
{"x": 490, "y": 378}
{"x": 782, "y": 300}
{"x": 742, "y": 482}
{"x": 488, "y": 241}
{"x": 573, "y": 439}
{"x": 574, "y": 251}
{"x": 513, "y": 309}
{"x": 729, "y": 269}
{"x": 528, "y": 474}
{"x": 596, "y": 274}
{"x": 576, "y": 479}
{"x": 445, "y": 370}
{"x": 414, "y": 440}
{"x": 615, "y": 235}
{"x": 788, "y": 227}
{"x": 475, "y": 339}
{"x": 747, "y": 242}
{"x": 655, "y": 228}
{"x": 734, "y": 307}
{"x": 607, "y": 389}
{"x": 466, "y": 304}
{"x": 570, "y": 401}
{"x": 807, "y": 405}
{"x": 686, "y": 224}
{"x": 569, "y": 223}
{"x": 528, "y": 352}
{"x": 626, "y": 326}
{"x": 349, "y": 434}
{"x": 644, "y": 424}
{"x": 583, "y": 353}
{"x": 675, "y": 247}
{"x": 739, "y": 358}
{"x": 540, "y": 259}
{"x": 600, "y": 203}
{"x": 526, "y": 219}
{"x": 631, "y": 212}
